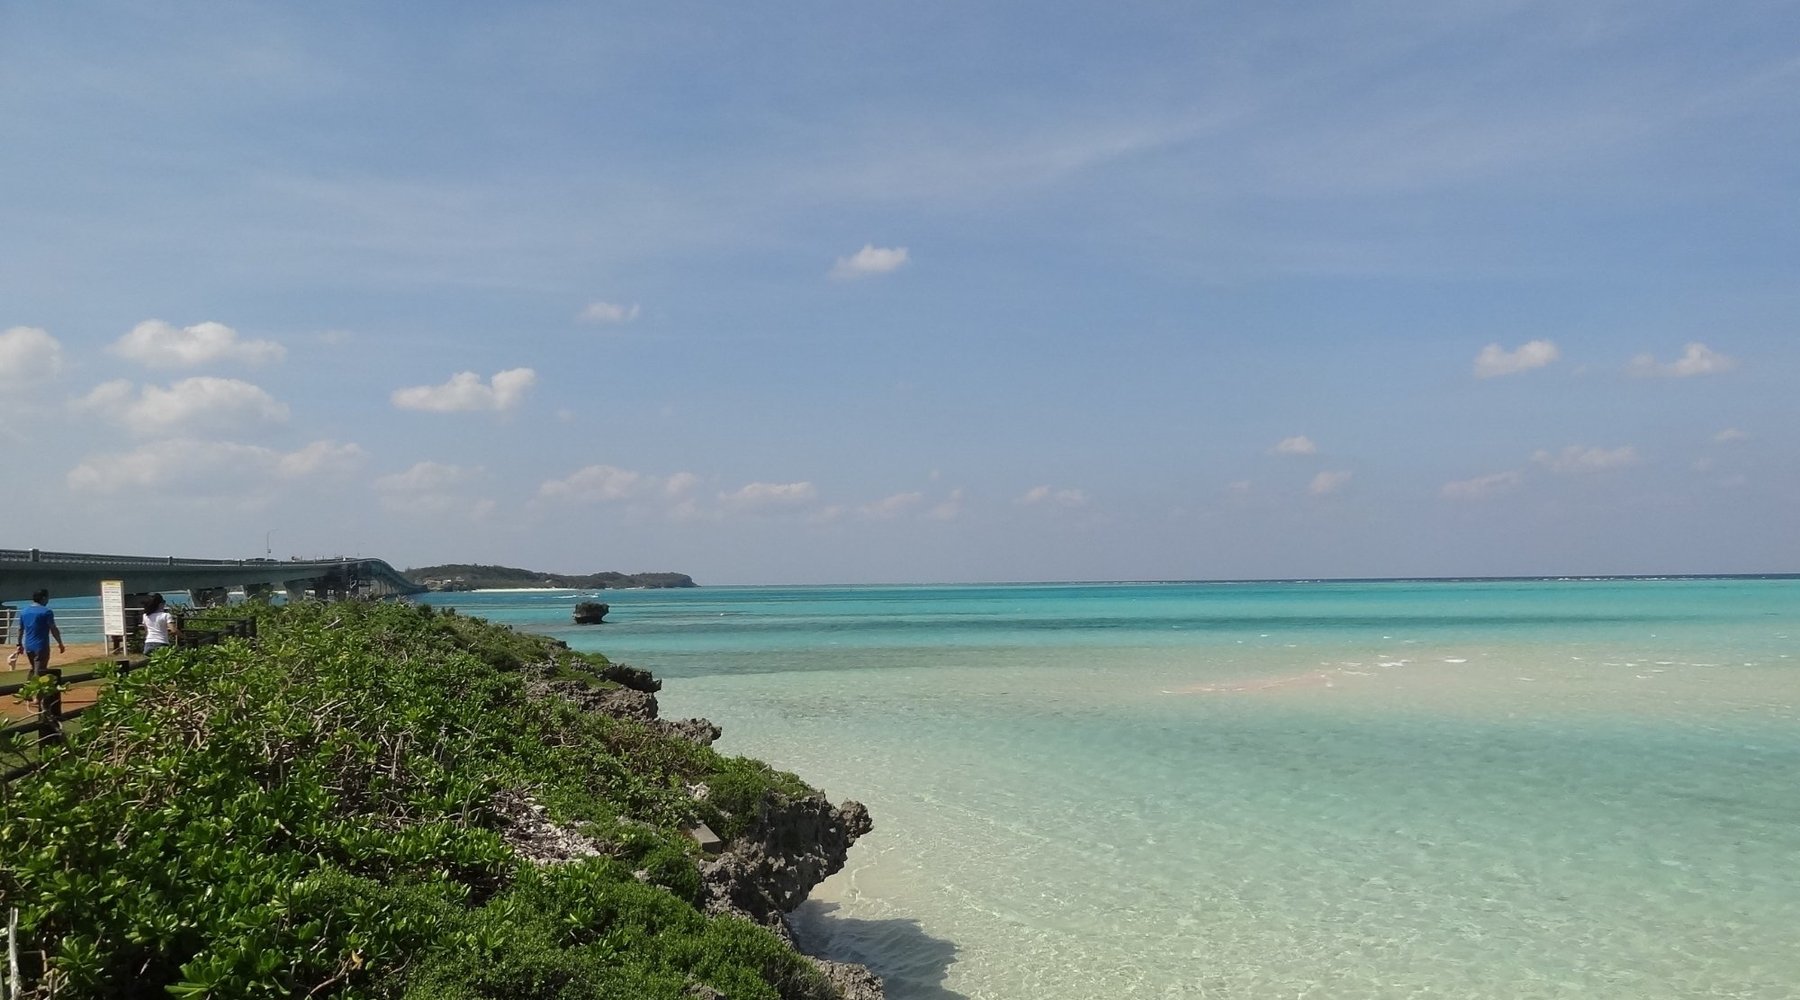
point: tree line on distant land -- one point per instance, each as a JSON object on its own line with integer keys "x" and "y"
{"x": 467, "y": 576}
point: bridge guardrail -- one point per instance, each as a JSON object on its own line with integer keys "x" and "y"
{"x": 42, "y": 556}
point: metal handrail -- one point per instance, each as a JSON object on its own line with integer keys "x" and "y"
{"x": 81, "y": 626}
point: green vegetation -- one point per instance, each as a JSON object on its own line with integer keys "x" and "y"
{"x": 323, "y": 815}
{"x": 465, "y": 576}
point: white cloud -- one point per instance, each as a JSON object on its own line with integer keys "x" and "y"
{"x": 320, "y": 457}
{"x": 425, "y": 477}
{"x": 1493, "y": 361}
{"x": 1048, "y": 495}
{"x": 598, "y": 484}
{"x": 209, "y": 468}
{"x": 870, "y": 260}
{"x": 764, "y": 496}
{"x": 1729, "y": 435}
{"x": 1697, "y": 359}
{"x": 466, "y": 392}
{"x": 1481, "y": 486}
{"x": 1299, "y": 444}
{"x": 890, "y": 507}
{"x": 1326, "y": 483}
{"x": 430, "y": 487}
{"x": 826, "y": 515}
{"x": 1576, "y": 458}
{"x": 161, "y": 345}
{"x": 950, "y": 509}
{"x": 28, "y": 354}
{"x": 609, "y": 312}
{"x": 193, "y": 404}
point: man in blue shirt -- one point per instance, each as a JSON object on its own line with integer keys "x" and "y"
{"x": 37, "y": 626}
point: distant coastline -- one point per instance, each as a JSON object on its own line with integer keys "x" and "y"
{"x": 459, "y": 577}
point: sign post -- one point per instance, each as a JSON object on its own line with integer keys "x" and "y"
{"x": 112, "y": 615}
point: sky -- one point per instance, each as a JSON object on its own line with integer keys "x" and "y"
{"x": 922, "y": 292}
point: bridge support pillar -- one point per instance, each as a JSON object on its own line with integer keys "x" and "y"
{"x": 297, "y": 589}
{"x": 258, "y": 591}
{"x": 210, "y": 597}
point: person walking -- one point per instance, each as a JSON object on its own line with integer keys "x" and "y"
{"x": 37, "y": 626}
{"x": 160, "y": 629}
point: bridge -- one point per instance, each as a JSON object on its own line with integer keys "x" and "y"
{"x": 74, "y": 574}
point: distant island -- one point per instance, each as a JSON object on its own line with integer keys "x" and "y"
{"x": 463, "y": 576}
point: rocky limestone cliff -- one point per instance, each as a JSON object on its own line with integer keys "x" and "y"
{"x": 791, "y": 845}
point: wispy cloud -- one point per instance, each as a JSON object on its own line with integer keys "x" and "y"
{"x": 210, "y": 468}
{"x": 891, "y": 507}
{"x": 1577, "y": 458}
{"x": 1050, "y": 496}
{"x": 1299, "y": 444}
{"x": 1697, "y": 359}
{"x": 949, "y": 509}
{"x": 425, "y": 477}
{"x": 466, "y": 392}
{"x": 1729, "y": 435}
{"x": 770, "y": 496}
{"x": 599, "y": 484}
{"x": 1481, "y": 486}
{"x": 869, "y": 261}
{"x": 1327, "y": 483}
{"x": 431, "y": 487}
{"x": 609, "y": 313}
{"x": 1494, "y": 361}
{"x": 156, "y": 344}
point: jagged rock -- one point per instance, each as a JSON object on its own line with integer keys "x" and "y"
{"x": 853, "y": 982}
{"x": 619, "y": 702}
{"x": 624, "y": 703}
{"x": 693, "y": 730}
{"x": 792, "y": 845}
{"x": 591, "y": 612}
{"x": 635, "y": 678}
{"x": 535, "y": 837}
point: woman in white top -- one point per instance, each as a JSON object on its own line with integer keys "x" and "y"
{"x": 159, "y": 626}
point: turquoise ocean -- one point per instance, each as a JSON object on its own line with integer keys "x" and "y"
{"x": 1344, "y": 790}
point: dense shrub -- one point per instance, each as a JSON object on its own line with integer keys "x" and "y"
{"x": 316, "y": 816}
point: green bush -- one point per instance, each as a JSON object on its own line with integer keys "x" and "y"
{"x": 315, "y": 816}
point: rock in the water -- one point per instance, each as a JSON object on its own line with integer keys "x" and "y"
{"x": 591, "y": 612}
{"x": 793, "y": 845}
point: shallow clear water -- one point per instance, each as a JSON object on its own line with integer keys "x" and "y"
{"x": 1371, "y": 790}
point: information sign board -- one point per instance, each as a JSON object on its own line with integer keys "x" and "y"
{"x": 112, "y": 608}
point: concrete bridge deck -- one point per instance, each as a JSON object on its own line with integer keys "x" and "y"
{"x": 71, "y": 574}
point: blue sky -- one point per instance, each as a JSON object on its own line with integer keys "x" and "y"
{"x": 907, "y": 292}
